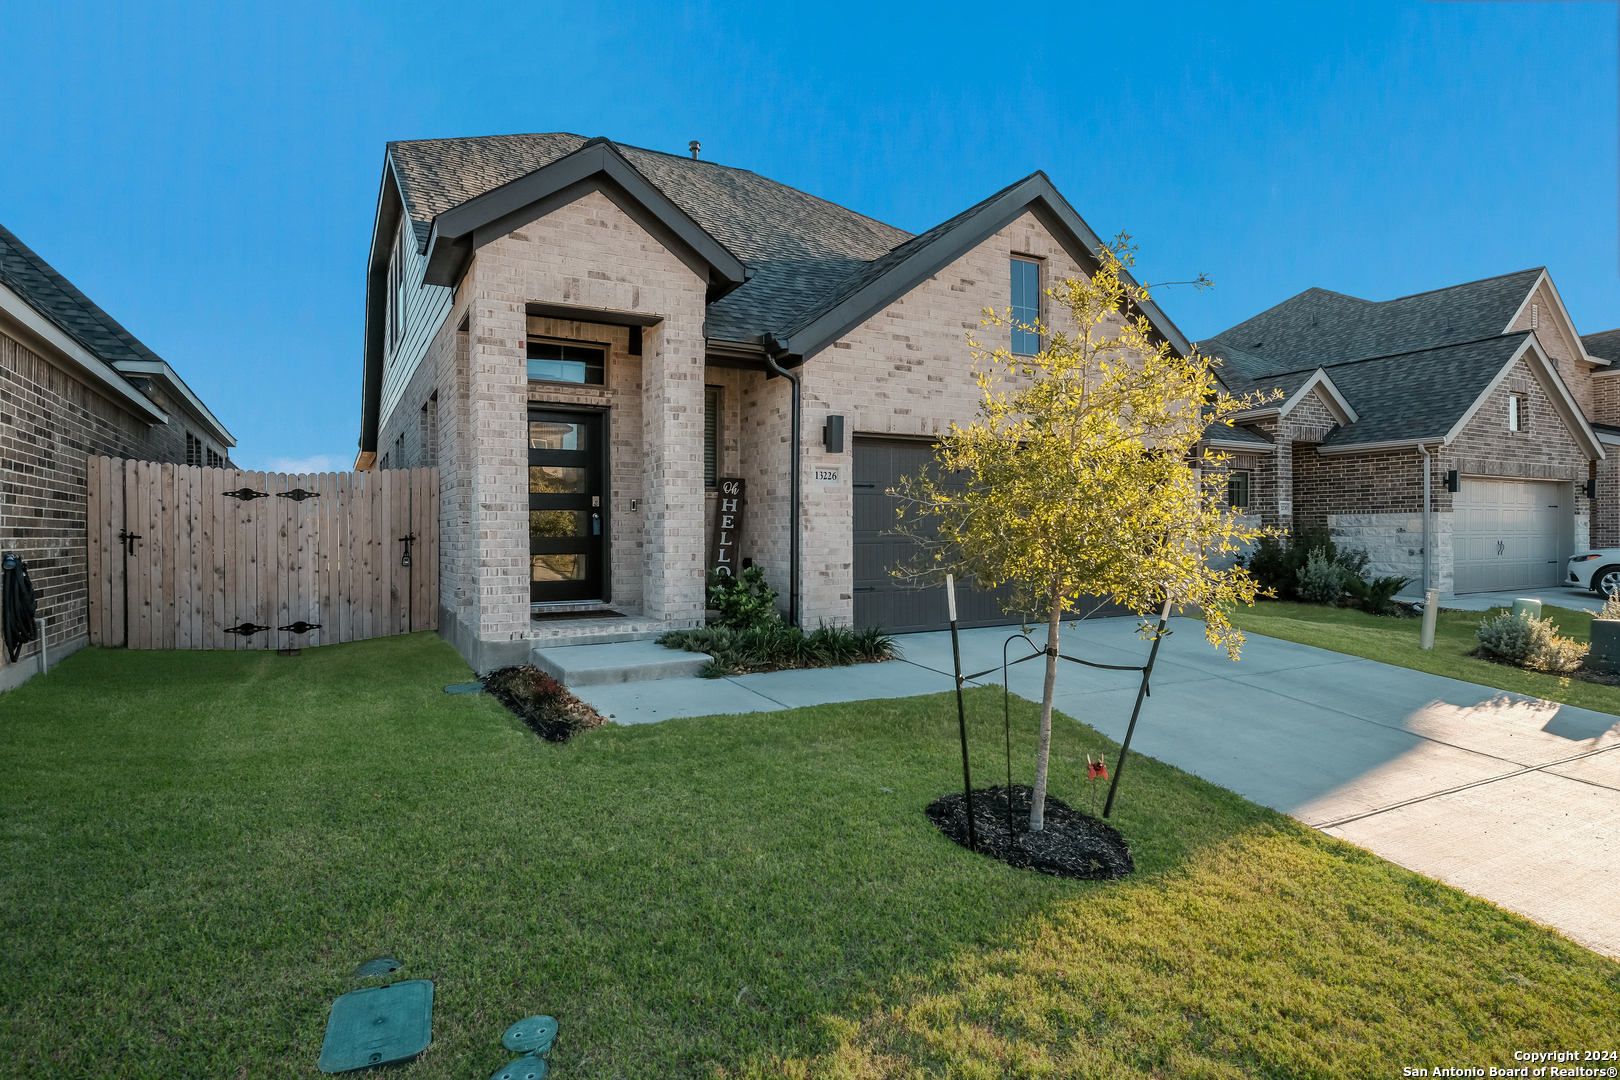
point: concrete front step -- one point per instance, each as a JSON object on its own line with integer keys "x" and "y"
{"x": 619, "y": 662}
{"x": 562, "y": 633}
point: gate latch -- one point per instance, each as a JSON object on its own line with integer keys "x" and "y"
{"x": 405, "y": 559}
{"x": 129, "y": 539}
{"x": 246, "y": 494}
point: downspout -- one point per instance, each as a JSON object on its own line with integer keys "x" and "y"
{"x": 1424, "y": 450}
{"x": 793, "y": 492}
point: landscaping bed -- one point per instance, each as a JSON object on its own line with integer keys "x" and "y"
{"x": 776, "y": 647}
{"x": 1070, "y": 844}
{"x": 197, "y": 848}
{"x": 540, "y": 701}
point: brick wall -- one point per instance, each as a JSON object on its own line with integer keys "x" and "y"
{"x": 905, "y": 371}
{"x": 51, "y": 421}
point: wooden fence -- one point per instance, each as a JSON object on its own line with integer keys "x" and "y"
{"x": 183, "y": 557}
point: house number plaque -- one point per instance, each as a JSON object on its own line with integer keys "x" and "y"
{"x": 728, "y": 523}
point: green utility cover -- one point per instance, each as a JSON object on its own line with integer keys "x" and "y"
{"x": 527, "y": 1067}
{"x": 532, "y": 1035}
{"x": 465, "y": 688}
{"x": 380, "y": 1025}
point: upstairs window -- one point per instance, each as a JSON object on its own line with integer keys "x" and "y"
{"x": 1515, "y": 412}
{"x": 194, "y": 450}
{"x": 1237, "y": 491}
{"x": 711, "y": 438}
{"x": 1026, "y": 305}
{"x": 215, "y": 461}
{"x": 553, "y": 361}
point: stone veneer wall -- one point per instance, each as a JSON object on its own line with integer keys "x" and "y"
{"x": 51, "y": 421}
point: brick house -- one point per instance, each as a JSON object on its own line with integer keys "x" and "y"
{"x": 1479, "y": 401}
{"x": 75, "y": 384}
{"x": 588, "y": 338}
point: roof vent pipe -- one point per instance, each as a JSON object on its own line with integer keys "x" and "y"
{"x": 694, "y": 147}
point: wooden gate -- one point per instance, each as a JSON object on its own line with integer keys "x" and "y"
{"x": 183, "y": 557}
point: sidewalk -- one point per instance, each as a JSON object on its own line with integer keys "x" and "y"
{"x": 1512, "y": 799}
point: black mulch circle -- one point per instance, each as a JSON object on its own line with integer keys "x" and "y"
{"x": 1072, "y": 844}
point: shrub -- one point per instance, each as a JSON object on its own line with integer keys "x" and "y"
{"x": 1529, "y": 641}
{"x": 773, "y": 647}
{"x": 1611, "y": 607}
{"x": 1377, "y": 596}
{"x": 1321, "y": 580}
{"x": 745, "y": 602}
{"x": 1276, "y": 565}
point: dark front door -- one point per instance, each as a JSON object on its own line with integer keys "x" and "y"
{"x": 567, "y": 521}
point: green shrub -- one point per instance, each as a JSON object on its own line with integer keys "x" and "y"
{"x": 774, "y": 647}
{"x": 1377, "y": 596}
{"x": 745, "y": 602}
{"x": 1321, "y": 580}
{"x": 1276, "y": 564}
{"x": 1529, "y": 641}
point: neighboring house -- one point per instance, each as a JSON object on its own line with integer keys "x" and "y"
{"x": 74, "y": 384}
{"x": 586, "y": 338}
{"x": 1485, "y": 388}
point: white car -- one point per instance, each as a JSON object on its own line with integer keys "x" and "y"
{"x": 1597, "y": 570}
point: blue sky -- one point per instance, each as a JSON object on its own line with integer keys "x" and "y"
{"x": 208, "y": 172}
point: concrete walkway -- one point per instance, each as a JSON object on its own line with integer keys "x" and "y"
{"x": 1512, "y": 799}
{"x": 1577, "y": 599}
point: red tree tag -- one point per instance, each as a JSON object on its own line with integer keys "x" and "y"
{"x": 1096, "y": 770}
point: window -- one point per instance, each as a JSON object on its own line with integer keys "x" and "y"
{"x": 711, "y": 438}
{"x": 215, "y": 461}
{"x": 1515, "y": 413}
{"x": 194, "y": 450}
{"x": 1026, "y": 305}
{"x": 1237, "y": 491}
{"x": 552, "y": 361}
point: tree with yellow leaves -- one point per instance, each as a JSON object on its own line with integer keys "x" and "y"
{"x": 1081, "y": 477}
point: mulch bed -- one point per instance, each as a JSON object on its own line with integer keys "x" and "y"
{"x": 1072, "y": 844}
{"x": 541, "y": 702}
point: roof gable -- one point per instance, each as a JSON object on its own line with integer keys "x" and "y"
{"x": 1319, "y": 327}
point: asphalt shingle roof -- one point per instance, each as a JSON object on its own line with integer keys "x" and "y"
{"x": 55, "y": 297}
{"x": 1605, "y": 344}
{"x": 799, "y": 247}
{"x": 1417, "y": 395}
{"x": 1319, "y": 327}
{"x": 1227, "y": 433}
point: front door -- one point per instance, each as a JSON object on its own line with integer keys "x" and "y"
{"x": 567, "y": 522}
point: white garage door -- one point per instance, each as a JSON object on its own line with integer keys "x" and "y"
{"x": 1507, "y": 535}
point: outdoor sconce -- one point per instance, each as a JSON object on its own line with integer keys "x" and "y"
{"x": 832, "y": 436}
{"x": 1590, "y": 488}
{"x": 1452, "y": 483}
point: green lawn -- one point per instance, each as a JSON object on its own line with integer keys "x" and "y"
{"x": 198, "y": 848}
{"x": 1395, "y": 641}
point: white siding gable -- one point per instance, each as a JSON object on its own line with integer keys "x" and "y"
{"x": 426, "y": 307}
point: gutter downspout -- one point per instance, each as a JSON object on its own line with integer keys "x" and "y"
{"x": 1427, "y": 503}
{"x": 793, "y": 492}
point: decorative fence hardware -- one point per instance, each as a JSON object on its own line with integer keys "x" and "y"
{"x": 219, "y": 560}
{"x": 405, "y": 559}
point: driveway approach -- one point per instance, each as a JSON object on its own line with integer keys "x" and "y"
{"x": 1512, "y": 799}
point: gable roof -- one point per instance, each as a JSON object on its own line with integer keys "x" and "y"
{"x": 110, "y": 353}
{"x": 1318, "y": 327}
{"x": 810, "y": 264}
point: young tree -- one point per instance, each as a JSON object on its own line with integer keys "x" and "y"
{"x": 1080, "y": 477}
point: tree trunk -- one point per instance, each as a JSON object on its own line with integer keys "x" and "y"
{"x": 1037, "y": 806}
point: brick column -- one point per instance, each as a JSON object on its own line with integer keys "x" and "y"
{"x": 672, "y": 425}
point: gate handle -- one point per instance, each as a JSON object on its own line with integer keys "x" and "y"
{"x": 129, "y": 539}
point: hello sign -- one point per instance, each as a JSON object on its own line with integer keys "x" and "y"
{"x": 728, "y": 520}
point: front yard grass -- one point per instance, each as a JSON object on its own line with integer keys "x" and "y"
{"x": 1395, "y": 641}
{"x": 196, "y": 849}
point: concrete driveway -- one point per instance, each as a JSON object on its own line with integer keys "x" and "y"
{"x": 1512, "y": 799}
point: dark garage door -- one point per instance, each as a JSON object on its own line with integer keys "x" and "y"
{"x": 880, "y": 598}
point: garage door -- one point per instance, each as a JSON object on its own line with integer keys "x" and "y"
{"x": 1507, "y": 534}
{"x": 881, "y": 599}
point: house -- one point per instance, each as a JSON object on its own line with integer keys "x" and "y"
{"x": 75, "y": 384}
{"x": 1471, "y": 422}
{"x": 590, "y": 340}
